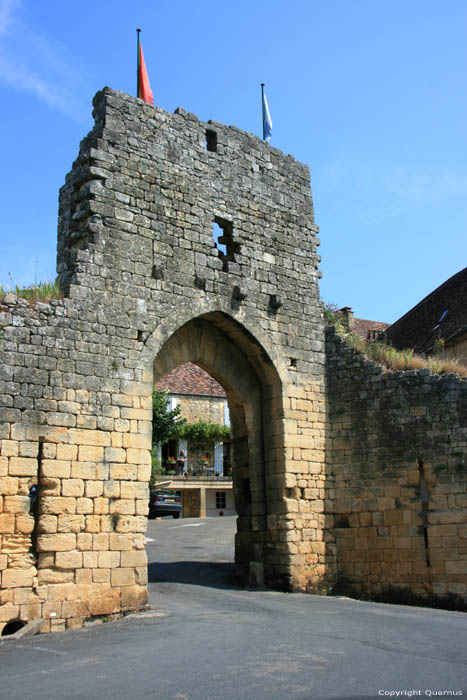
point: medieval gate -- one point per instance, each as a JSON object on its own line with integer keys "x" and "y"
{"x": 147, "y": 287}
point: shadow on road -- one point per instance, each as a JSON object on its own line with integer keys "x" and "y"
{"x": 222, "y": 575}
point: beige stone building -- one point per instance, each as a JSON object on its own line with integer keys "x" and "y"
{"x": 206, "y": 487}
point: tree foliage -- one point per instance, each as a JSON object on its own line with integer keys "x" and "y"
{"x": 166, "y": 422}
{"x": 202, "y": 433}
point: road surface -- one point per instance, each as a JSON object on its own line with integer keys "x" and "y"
{"x": 205, "y": 638}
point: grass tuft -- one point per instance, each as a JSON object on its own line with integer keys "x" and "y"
{"x": 388, "y": 356}
{"x": 43, "y": 291}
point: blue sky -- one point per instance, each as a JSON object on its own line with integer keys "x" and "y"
{"x": 371, "y": 94}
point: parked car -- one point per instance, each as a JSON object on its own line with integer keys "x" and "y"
{"x": 164, "y": 503}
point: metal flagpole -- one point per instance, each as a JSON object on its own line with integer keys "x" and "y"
{"x": 137, "y": 62}
{"x": 262, "y": 107}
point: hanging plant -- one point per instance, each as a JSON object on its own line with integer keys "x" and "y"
{"x": 202, "y": 433}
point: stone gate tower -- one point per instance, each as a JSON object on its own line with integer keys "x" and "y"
{"x": 147, "y": 287}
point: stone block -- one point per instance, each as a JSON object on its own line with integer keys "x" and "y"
{"x": 89, "y": 437}
{"x": 84, "y": 506}
{"x": 56, "y": 505}
{"x": 18, "y": 578}
{"x": 3, "y": 466}
{"x": 101, "y": 541}
{"x": 67, "y": 453}
{"x": 84, "y": 541}
{"x": 90, "y": 453}
{"x": 108, "y": 560}
{"x": 93, "y": 489}
{"x": 136, "y": 456}
{"x": 133, "y": 597}
{"x": 70, "y": 523}
{"x": 9, "y": 612}
{"x": 60, "y": 542}
{"x": 137, "y": 440}
{"x": 69, "y": 560}
{"x": 83, "y": 470}
{"x": 55, "y": 468}
{"x": 121, "y": 542}
{"x": 123, "y": 577}
{"x": 101, "y": 506}
{"x": 144, "y": 473}
{"x": 9, "y": 486}
{"x": 22, "y": 466}
{"x": 124, "y": 471}
{"x": 72, "y": 487}
{"x": 456, "y": 567}
{"x": 9, "y": 448}
{"x": 101, "y": 575}
{"x": 105, "y": 603}
{"x": 16, "y": 504}
{"x": 115, "y": 454}
{"x": 133, "y": 559}
{"x": 75, "y": 609}
{"x": 90, "y": 559}
{"x": 24, "y": 524}
{"x": 7, "y": 523}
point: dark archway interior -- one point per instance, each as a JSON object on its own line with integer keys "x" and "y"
{"x": 12, "y": 627}
{"x": 229, "y": 353}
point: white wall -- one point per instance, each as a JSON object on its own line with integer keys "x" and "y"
{"x": 211, "y": 509}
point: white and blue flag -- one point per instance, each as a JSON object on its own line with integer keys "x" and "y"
{"x": 267, "y": 122}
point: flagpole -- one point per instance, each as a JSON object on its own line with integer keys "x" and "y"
{"x": 137, "y": 62}
{"x": 262, "y": 107}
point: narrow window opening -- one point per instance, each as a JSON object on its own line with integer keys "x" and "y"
{"x": 211, "y": 141}
{"x": 424, "y": 496}
{"x": 222, "y": 233}
{"x": 35, "y": 496}
{"x": 217, "y": 234}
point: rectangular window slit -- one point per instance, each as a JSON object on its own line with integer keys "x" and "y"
{"x": 211, "y": 141}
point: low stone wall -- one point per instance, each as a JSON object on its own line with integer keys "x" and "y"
{"x": 396, "y": 475}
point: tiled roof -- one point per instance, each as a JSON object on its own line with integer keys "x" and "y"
{"x": 442, "y": 314}
{"x": 192, "y": 380}
{"x": 367, "y": 329}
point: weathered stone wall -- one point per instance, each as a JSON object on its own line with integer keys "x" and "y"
{"x": 68, "y": 557}
{"x": 147, "y": 289}
{"x": 396, "y": 475}
{"x": 206, "y": 408}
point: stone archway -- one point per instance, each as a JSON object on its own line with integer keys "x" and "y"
{"x": 221, "y": 346}
{"x": 144, "y": 279}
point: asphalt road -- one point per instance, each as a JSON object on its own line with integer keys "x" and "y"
{"x": 205, "y": 638}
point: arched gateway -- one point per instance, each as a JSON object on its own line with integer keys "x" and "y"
{"x": 148, "y": 285}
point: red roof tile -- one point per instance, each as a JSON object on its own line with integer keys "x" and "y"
{"x": 366, "y": 329}
{"x": 190, "y": 379}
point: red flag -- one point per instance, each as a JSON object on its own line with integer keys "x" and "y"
{"x": 144, "y": 89}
